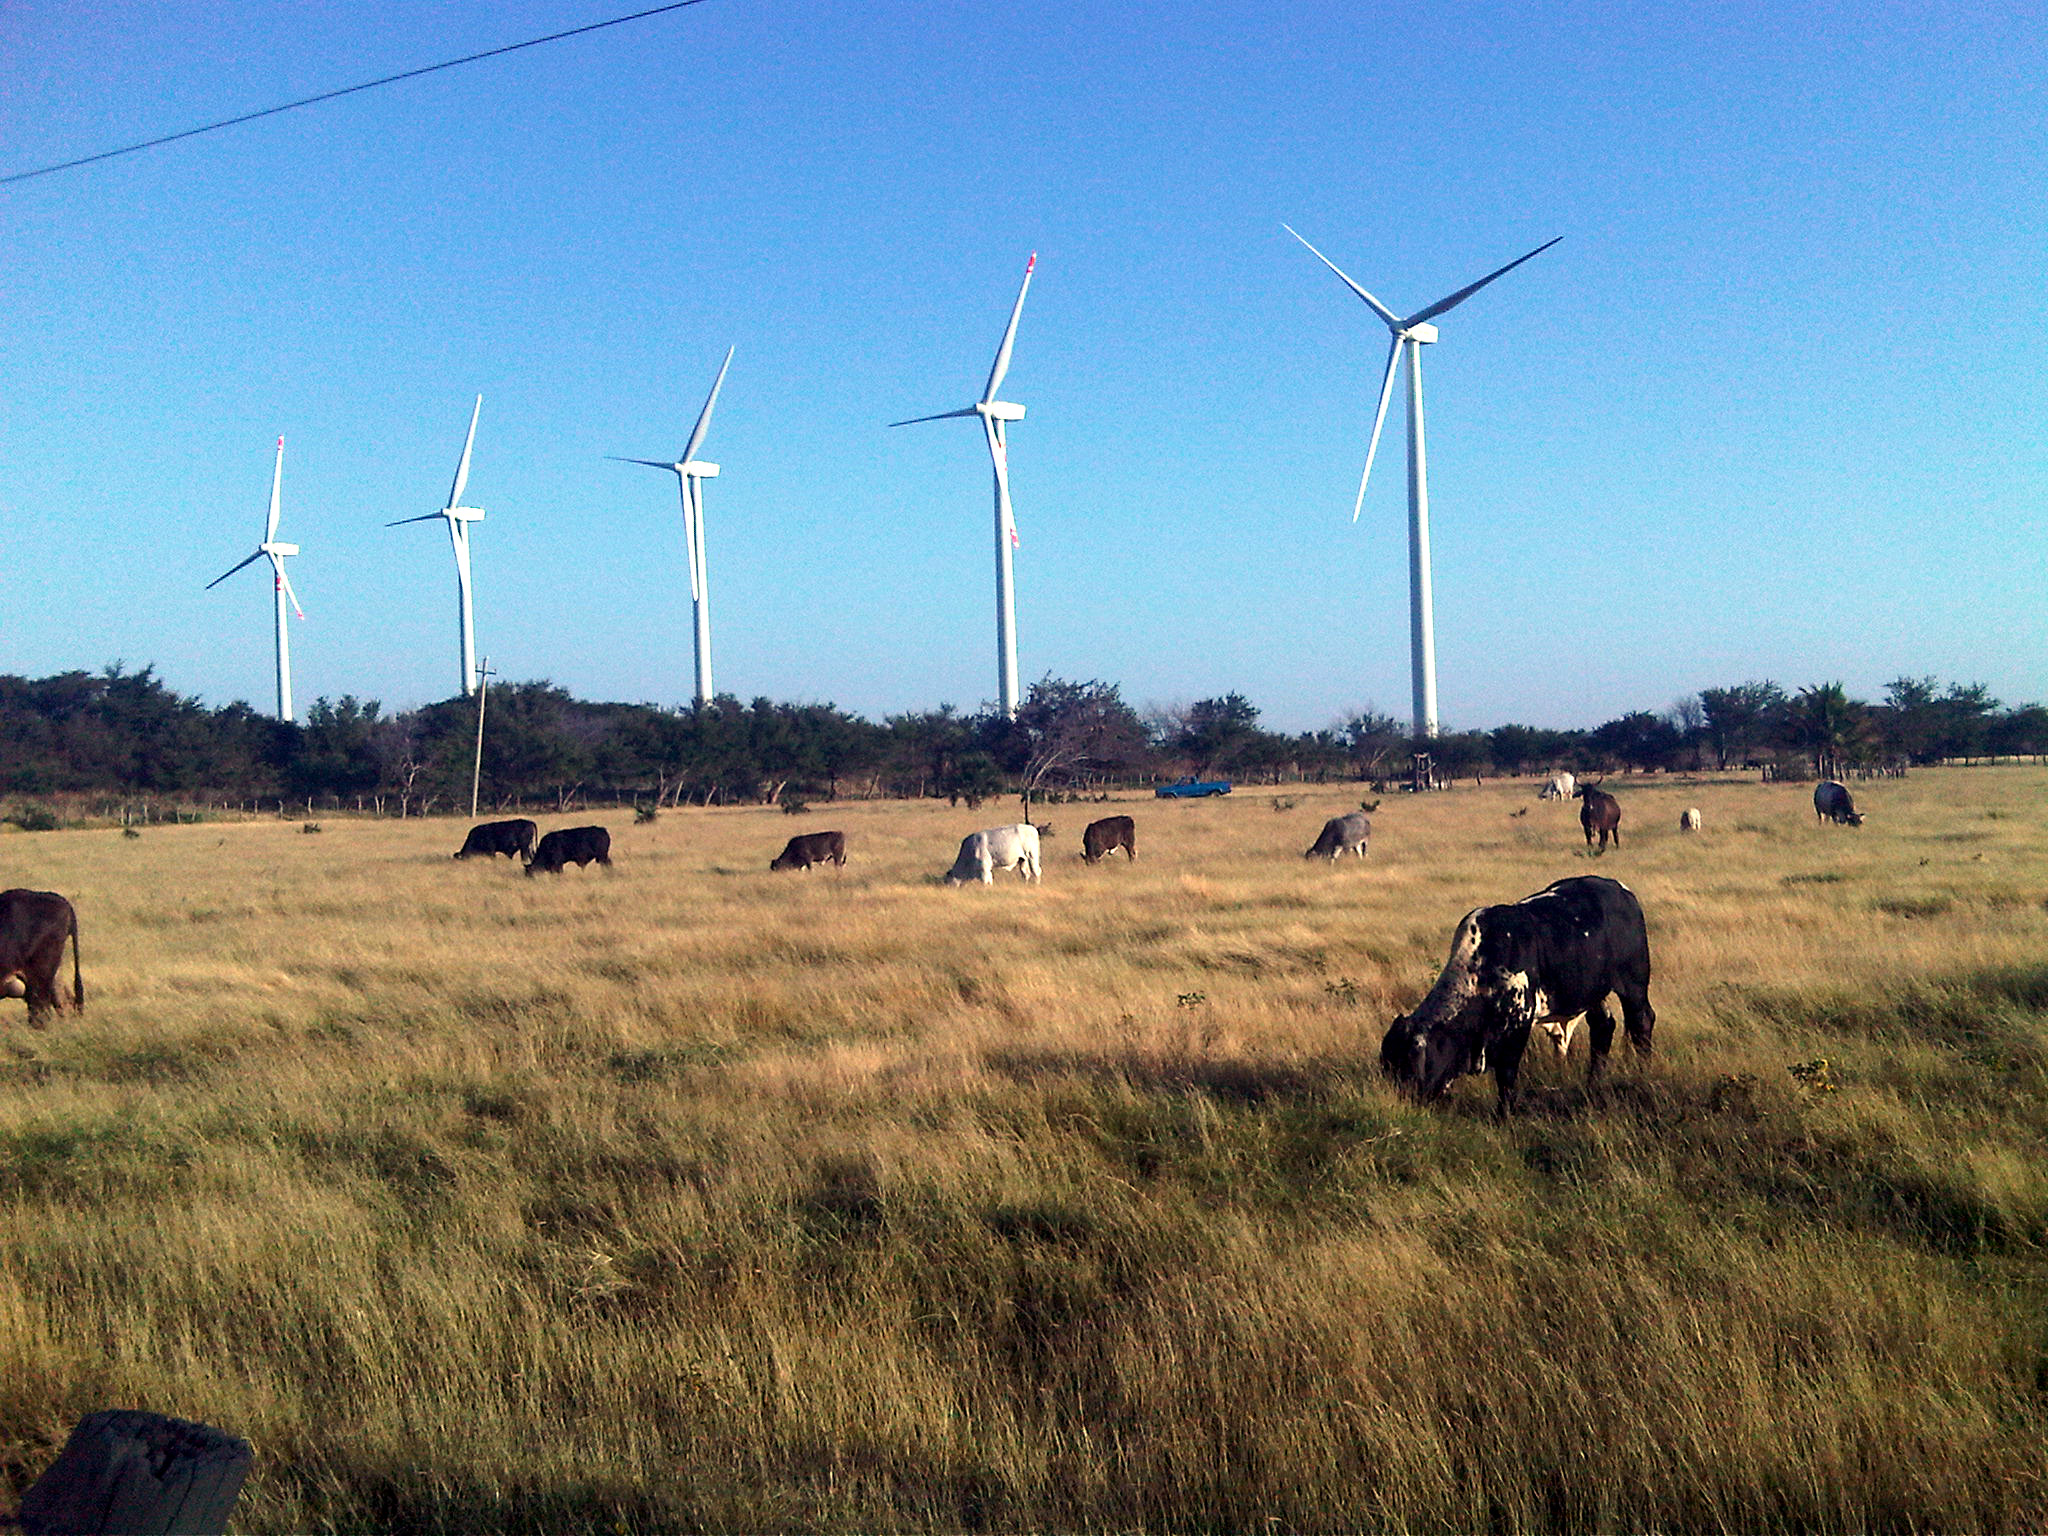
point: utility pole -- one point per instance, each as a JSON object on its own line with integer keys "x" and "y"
{"x": 484, "y": 674}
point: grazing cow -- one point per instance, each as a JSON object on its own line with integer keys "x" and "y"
{"x": 1544, "y": 960}
{"x": 983, "y": 853}
{"x": 1689, "y": 819}
{"x": 1104, "y": 837}
{"x": 1561, "y": 787}
{"x": 1831, "y": 802}
{"x": 514, "y": 839}
{"x": 1344, "y": 834}
{"x": 1600, "y": 813}
{"x": 811, "y": 848}
{"x": 572, "y": 845}
{"x": 33, "y": 928}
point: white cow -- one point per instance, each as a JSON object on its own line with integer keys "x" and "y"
{"x": 1689, "y": 820}
{"x": 983, "y": 853}
{"x": 1560, "y": 787}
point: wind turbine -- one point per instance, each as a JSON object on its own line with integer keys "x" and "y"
{"x": 995, "y": 415}
{"x": 459, "y": 518}
{"x": 1414, "y": 333}
{"x": 281, "y": 584}
{"x": 691, "y": 472}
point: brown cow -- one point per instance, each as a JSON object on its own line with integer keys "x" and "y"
{"x": 812, "y": 848}
{"x": 1104, "y": 837}
{"x": 1600, "y": 813}
{"x": 33, "y": 928}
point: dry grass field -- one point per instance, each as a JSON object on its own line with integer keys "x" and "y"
{"x": 691, "y": 1196}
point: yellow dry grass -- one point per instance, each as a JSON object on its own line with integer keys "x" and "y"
{"x": 695, "y": 1196}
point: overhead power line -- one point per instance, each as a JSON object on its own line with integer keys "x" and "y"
{"x": 347, "y": 90}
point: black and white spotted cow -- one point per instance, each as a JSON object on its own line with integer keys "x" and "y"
{"x": 1544, "y": 961}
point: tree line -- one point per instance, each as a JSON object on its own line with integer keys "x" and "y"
{"x": 122, "y": 733}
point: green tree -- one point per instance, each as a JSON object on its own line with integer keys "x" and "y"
{"x": 1739, "y": 720}
{"x": 1828, "y": 725}
{"x": 1638, "y": 740}
{"x": 1068, "y": 729}
{"x": 337, "y": 748}
{"x": 1374, "y": 741}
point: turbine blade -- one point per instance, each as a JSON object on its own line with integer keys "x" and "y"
{"x": 462, "y": 469}
{"x": 1442, "y": 306}
{"x": 995, "y": 374}
{"x": 650, "y": 463}
{"x": 1378, "y": 420}
{"x": 690, "y": 538}
{"x": 999, "y": 456}
{"x": 276, "y": 492}
{"x": 431, "y": 517}
{"x": 942, "y": 416}
{"x": 704, "y": 420}
{"x": 286, "y": 582}
{"x": 224, "y": 575}
{"x": 1379, "y": 309}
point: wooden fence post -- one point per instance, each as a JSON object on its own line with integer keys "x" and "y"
{"x": 125, "y": 1472}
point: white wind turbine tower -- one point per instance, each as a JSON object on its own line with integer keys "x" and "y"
{"x": 459, "y": 518}
{"x": 691, "y": 472}
{"x": 280, "y": 583}
{"x": 995, "y": 415}
{"x": 1414, "y": 333}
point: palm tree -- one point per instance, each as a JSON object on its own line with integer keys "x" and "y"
{"x": 1829, "y": 724}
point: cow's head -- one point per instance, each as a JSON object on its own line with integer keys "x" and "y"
{"x": 1446, "y": 1034}
{"x": 1423, "y": 1056}
{"x": 12, "y": 985}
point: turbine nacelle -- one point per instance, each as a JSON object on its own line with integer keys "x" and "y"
{"x": 275, "y": 550}
{"x": 1000, "y": 410}
{"x": 698, "y": 469}
{"x": 463, "y": 514}
{"x": 1424, "y": 333}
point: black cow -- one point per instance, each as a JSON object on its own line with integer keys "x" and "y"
{"x": 812, "y": 848}
{"x": 1544, "y": 960}
{"x": 572, "y": 845}
{"x": 514, "y": 839}
{"x": 1600, "y": 813}
{"x": 1344, "y": 834}
{"x": 1831, "y": 802}
{"x": 33, "y": 928}
{"x": 1102, "y": 838}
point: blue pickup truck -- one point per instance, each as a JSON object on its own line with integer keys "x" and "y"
{"x": 1192, "y": 789}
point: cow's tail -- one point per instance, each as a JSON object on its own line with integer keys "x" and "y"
{"x": 77, "y": 969}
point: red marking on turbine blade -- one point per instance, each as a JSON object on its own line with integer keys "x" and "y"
{"x": 1031, "y": 263}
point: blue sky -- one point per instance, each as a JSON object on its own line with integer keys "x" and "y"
{"x": 1774, "y": 408}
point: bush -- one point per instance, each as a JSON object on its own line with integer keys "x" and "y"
{"x": 36, "y": 818}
